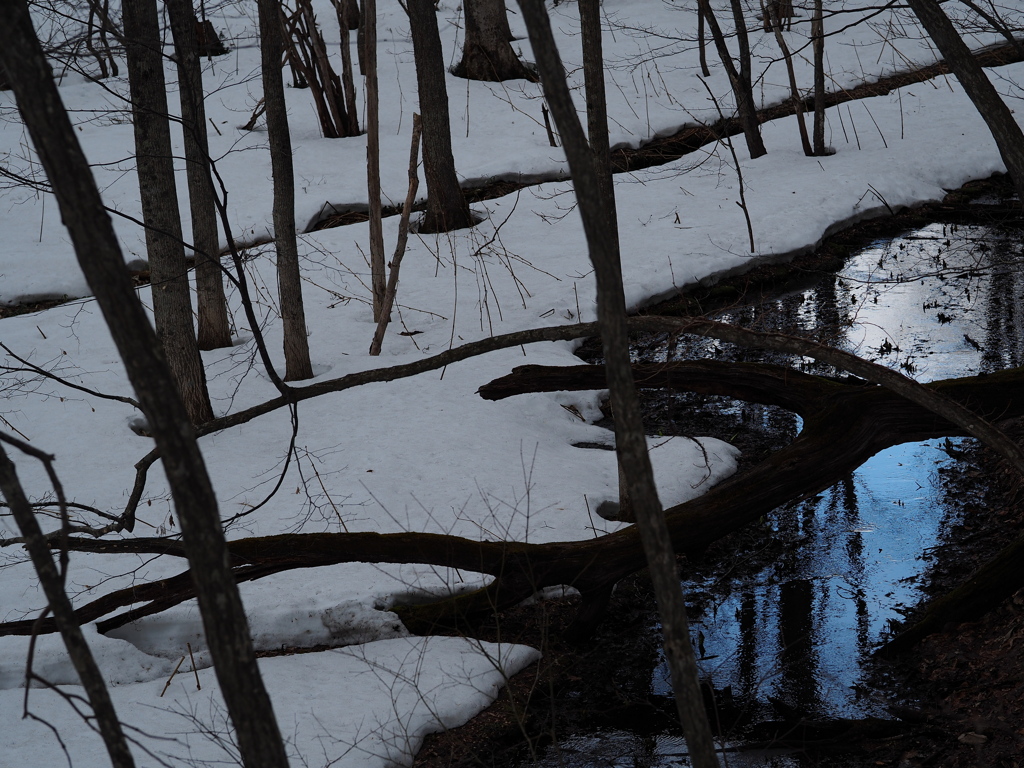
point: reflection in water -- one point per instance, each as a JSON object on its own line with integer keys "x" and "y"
{"x": 783, "y": 635}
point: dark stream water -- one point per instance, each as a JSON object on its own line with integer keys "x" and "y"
{"x": 784, "y": 628}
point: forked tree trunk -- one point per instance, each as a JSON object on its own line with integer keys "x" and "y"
{"x": 631, "y": 444}
{"x": 742, "y": 88}
{"x": 486, "y": 52}
{"x": 289, "y": 283}
{"x": 99, "y": 255}
{"x": 214, "y": 327}
{"x": 979, "y": 88}
{"x": 446, "y": 205}
{"x": 172, "y": 301}
{"x": 348, "y": 19}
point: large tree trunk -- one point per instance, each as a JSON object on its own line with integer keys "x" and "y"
{"x": 979, "y": 88}
{"x": 592, "y": 185}
{"x": 486, "y": 52}
{"x": 289, "y": 283}
{"x": 172, "y": 301}
{"x": 214, "y": 327}
{"x": 597, "y": 135}
{"x": 446, "y": 205}
{"x": 742, "y": 88}
{"x": 226, "y": 628}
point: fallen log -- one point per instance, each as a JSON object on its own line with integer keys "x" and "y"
{"x": 845, "y": 423}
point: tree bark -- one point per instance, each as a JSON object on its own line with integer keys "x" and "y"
{"x": 378, "y": 279}
{"x": 403, "y": 237}
{"x": 446, "y": 205}
{"x": 770, "y": 11}
{"x": 172, "y": 301}
{"x": 289, "y": 283}
{"x": 214, "y": 327}
{"x": 597, "y": 135}
{"x": 742, "y": 88}
{"x": 486, "y": 52}
{"x": 631, "y": 444}
{"x": 979, "y": 88}
{"x": 100, "y": 258}
{"x": 348, "y": 19}
{"x": 702, "y": 39}
{"x": 818, "y": 42}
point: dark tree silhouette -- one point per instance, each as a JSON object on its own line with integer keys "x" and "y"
{"x": 446, "y": 205}
{"x": 289, "y": 284}
{"x": 99, "y": 255}
{"x": 172, "y": 299}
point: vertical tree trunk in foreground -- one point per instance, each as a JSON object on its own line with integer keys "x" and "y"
{"x": 224, "y": 622}
{"x": 597, "y": 134}
{"x": 172, "y": 300}
{"x": 446, "y": 205}
{"x": 631, "y": 444}
{"x": 486, "y": 52}
{"x": 52, "y": 582}
{"x": 289, "y": 284}
{"x": 378, "y": 279}
{"x": 978, "y": 87}
{"x": 214, "y": 328}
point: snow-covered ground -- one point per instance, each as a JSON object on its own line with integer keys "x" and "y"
{"x": 425, "y": 453}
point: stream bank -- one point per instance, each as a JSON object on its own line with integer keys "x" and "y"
{"x": 756, "y": 596}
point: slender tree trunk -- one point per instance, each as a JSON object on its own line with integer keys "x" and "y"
{"x": 818, "y": 39}
{"x": 289, "y": 283}
{"x": 99, "y": 255}
{"x": 486, "y": 52}
{"x": 378, "y": 279}
{"x": 770, "y": 11}
{"x": 702, "y": 39}
{"x": 361, "y": 40}
{"x": 597, "y": 134}
{"x": 979, "y": 88}
{"x": 994, "y": 21}
{"x": 52, "y": 581}
{"x": 172, "y": 300}
{"x": 403, "y": 237}
{"x": 214, "y": 327}
{"x": 348, "y": 19}
{"x": 446, "y": 205}
{"x": 741, "y": 83}
{"x": 631, "y": 444}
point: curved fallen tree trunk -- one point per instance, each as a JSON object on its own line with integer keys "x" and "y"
{"x": 845, "y": 423}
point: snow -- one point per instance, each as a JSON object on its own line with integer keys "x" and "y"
{"x": 424, "y": 453}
